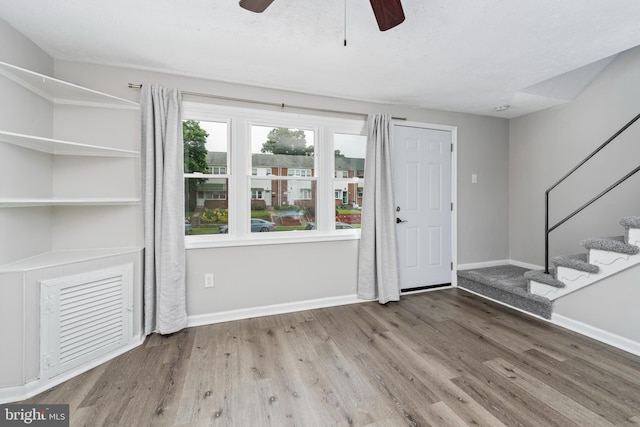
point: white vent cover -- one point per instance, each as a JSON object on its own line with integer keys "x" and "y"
{"x": 84, "y": 317}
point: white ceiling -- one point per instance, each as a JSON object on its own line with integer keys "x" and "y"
{"x": 466, "y": 56}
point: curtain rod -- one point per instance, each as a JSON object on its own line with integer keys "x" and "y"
{"x": 271, "y": 104}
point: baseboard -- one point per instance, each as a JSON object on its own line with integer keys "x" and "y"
{"x": 483, "y": 264}
{"x": 526, "y": 265}
{"x": 268, "y": 310}
{"x": 598, "y": 334}
{"x": 17, "y": 393}
{"x": 498, "y": 262}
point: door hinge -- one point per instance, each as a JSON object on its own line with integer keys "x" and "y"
{"x": 452, "y": 148}
{"x": 451, "y": 206}
{"x": 451, "y": 265}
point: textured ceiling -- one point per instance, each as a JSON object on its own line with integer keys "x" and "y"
{"x": 467, "y": 56}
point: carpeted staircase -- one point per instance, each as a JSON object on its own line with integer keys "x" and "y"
{"x": 534, "y": 291}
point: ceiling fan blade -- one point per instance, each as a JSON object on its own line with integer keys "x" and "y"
{"x": 257, "y": 6}
{"x": 388, "y": 13}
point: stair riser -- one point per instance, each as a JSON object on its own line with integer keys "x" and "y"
{"x": 609, "y": 263}
{"x": 633, "y": 236}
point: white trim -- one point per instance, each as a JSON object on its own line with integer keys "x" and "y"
{"x": 17, "y": 393}
{"x": 525, "y": 265}
{"x": 498, "y": 262}
{"x": 258, "y": 239}
{"x": 268, "y": 310}
{"x": 240, "y": 176}
{"x": 597, "y": 334}
{"x": 483, "y": 264}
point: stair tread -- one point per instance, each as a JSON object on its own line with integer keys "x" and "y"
{"x": 577, "y": 262}
{"x": 542, "y": 277}
{"x": 611, "y": 244}
{"x": 630, "y": 222}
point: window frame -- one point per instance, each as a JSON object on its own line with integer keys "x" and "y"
{"x": 239, "y": 172}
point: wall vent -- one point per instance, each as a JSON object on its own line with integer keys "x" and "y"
{"x": 84, "y": 317}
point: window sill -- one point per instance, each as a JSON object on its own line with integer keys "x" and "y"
{"x": 262, "y": 239}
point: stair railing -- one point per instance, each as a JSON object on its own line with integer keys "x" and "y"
{"x": 548, "y": 229}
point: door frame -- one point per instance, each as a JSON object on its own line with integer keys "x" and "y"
{"x": 454, "y": 190}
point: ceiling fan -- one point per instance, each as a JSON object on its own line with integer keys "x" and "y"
{"x": 388, "y": 13}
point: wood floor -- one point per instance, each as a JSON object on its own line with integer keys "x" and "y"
{"x": 444, "y": 358}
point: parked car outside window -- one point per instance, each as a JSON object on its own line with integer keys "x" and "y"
{"x": 339, "y": 226}
{"x": 257, "y": 226}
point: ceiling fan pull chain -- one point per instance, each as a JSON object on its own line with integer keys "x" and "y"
{"x": 345, "y": 23}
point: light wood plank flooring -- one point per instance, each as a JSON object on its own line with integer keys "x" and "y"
{"x": 445, "y": 358}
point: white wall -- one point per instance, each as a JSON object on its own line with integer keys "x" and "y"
{"x": 546, "y": 145}
{"x": 25, "y": 232}
{"x": 324, "y": 270}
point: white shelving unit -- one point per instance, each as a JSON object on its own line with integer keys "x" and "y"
{"x": 63, "y": 148}
{"x": 58, "y": 258}
{"x": 94, "y": 201}
{"x": 62, "y": 92}
{"x": 62, "y": 242}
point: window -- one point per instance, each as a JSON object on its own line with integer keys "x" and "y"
{"x": 349, "y": 177}
{"x": 287, "y": 152}
{"x": 262, "y": 168}
{"x": 206, "y": 181}
{"x": 212, "y": 195}
{"x": 299, "y": 172}
{"x": 305, "y": 193}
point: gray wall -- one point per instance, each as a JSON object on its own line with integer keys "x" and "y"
{"x": 545, "y": 145}
{"x": 610, "y": 305}
{"x": 323, "y": 269}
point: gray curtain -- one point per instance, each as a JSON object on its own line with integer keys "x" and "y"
{"x": 163, "y": 197}
{"x": 377, "y": 259}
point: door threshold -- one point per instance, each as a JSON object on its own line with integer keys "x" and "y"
{"x": 424, "y": 288}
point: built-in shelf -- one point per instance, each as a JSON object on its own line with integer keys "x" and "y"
{"x": 61, "y": 92}
{"x": 58, "y": 258}
{"x": 22, "y": 278}
{"x": 63, "y": 148}
{"x": 25, "y": 202}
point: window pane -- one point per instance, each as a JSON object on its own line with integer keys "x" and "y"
{"x": 206, "y": 199}
{"x": 282, "y": 151}
{"x": 290, "y": 204}
{"x": 349, "y": 178}
{"x": 277, "y": 152}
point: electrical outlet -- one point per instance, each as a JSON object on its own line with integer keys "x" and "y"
{"x": 474, "y": 178}
{"x": 208, "y": 280}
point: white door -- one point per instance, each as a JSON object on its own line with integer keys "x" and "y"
{"x": 422, "y": 193}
